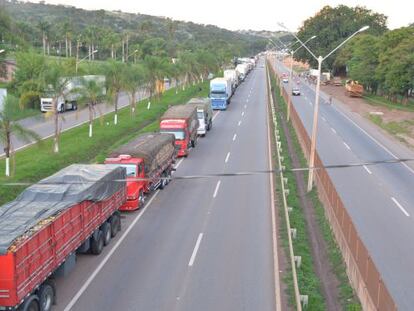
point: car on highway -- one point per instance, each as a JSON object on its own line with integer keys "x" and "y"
{"x": 295, "y": 91}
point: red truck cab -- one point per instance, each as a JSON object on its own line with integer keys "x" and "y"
{"x": 179, "y": 129}
{"x": 136, "y": 183}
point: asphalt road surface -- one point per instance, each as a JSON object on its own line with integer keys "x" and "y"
{"x": 379, "y": 198}
{"x": 199, "y": 244}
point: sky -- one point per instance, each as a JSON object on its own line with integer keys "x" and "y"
{"x": 238, "y": 14}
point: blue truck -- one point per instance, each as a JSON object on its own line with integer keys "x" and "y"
{"x": 220, "y": 93}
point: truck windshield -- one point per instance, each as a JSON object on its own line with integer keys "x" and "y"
{"x": 179, "y": 134}
{"x": 131, "y": 169}
{"x": 217, "y": 94}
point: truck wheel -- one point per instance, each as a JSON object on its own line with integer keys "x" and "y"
{"x": 97, "y": 244}
{"x": 115, "y": 225}
{"x": 164, "y": 181}
{"x": 106, "y": 231}
{"x": 141, "y": 199}
{"x": 210, "y": 125}
{"x": 193, "y": 143}
{"x": 46, "y": 296}
{"x": 31, "y": 304}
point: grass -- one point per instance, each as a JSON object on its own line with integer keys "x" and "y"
{"x": 382, "y": 101}
{"x": 393, "y": 127}
{"x": 348, "y": 299}
{"x": 37, "y": 162}
{"x": 308, "y": 281}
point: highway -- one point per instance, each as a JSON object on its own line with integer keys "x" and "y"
{"x": 199, "y": 244}
{"x": 379, "y": 198}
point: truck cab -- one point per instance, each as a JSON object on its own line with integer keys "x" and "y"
{"x": 137, "y": 186}
{"x": 220, "y": 92}
{"x": 183, "y": 139}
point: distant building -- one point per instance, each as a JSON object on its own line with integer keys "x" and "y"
{"x": 7, "y": 70}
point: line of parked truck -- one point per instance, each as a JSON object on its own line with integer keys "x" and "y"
{"x": 77, "y": 210}
{"x": 223, "y": 88}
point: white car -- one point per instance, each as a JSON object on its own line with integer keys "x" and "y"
{"x": 295, "y": 91}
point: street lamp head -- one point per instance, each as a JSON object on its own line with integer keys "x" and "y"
{"x": 363, "y": 28}
{"x": 313, "y": 37}
{"x": 1, "y": 51}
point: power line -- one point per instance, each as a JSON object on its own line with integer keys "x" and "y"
{"x": 231, "y": 174}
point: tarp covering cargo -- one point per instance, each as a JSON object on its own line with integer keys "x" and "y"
{"x": 50, "y": 196}
{"x": 155, "y": 148}
{"x": 199, "y": 102}
{"x": 180, "y": 112}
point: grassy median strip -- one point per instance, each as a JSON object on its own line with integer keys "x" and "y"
{"x": 37, "y": 162}
{"x": 309, "y": 283}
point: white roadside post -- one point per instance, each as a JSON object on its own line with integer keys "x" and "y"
{"x": 320, "y": 59}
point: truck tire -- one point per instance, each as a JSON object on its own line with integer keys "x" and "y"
{"x": 164, "y": 181}
{"x": 141, "y": 199}
{"x": 62, "y": 108}
{"x": 115, "y": 224}
{"x": 97, "y": 243}
{"x": 30, "y": 304}
{"x": 46, "y": 296}
{"x": 106, "y": 231}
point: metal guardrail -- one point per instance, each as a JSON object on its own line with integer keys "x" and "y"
{"x": 283, "y": 181}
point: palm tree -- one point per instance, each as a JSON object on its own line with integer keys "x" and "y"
{"x": 44, "y": 27}
{"x": 134, "y": 77}
{"x": 91, "y": 93}
{"x": 115, "y": 82}
{"x": 9, "y": 128}
{"x": 56, "y": 79}
{"x": 157, "y": 69}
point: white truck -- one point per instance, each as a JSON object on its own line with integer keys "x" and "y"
{"x": 69, "y": 100}
{"x": 242, "y": 69}
{"x": 231, "y": 74}
{"x": 204, "y": 114}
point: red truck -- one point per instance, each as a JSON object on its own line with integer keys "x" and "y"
{"x": 182, "y": 121}
{"x": 148, "y": 160}
{"x": 72, "y": 211}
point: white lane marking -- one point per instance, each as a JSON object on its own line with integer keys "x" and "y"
{"x": 400, "y": 206}
{"x": 239, "y": 123}
{"x": 373, "y": 139}
{"x": 234, "y": 137}
{"x": 323, "y": 118}
{"x": 108, "y": 256}
{"x": 367, "y": 169}
{"x": 242, "y": 113}
{"x": 217, "y": 189}
{"x": 245, "y": 106}
{"x": 347, "y": 146}
{"x": 227, "y": 157}
{"x": 215, "y": 116}
{"x": 247, "y": 100}
{"x": 194, "y": 254}
{"x": 179, "y": 162}
{"x": 333, "y": 130}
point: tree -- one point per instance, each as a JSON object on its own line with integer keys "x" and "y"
{"x": 115, "y": 82}
{"x": 135, "y": 77}
{"x": 56, "y": 79}
{"x": 91, "y": 93}
{"x": 154, "y": 47}
{"x": 10, "y": 127}
{"x": 44, "y": 27}
{"x": 364, "y": 61}
{"x": 333, "y": 26}
{"x": 157, "y": 69}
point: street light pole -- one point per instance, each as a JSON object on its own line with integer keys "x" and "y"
{"x": 290, "y": 77}
{"x": 78, "y": 62}
{"x": 320, "y": 59}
